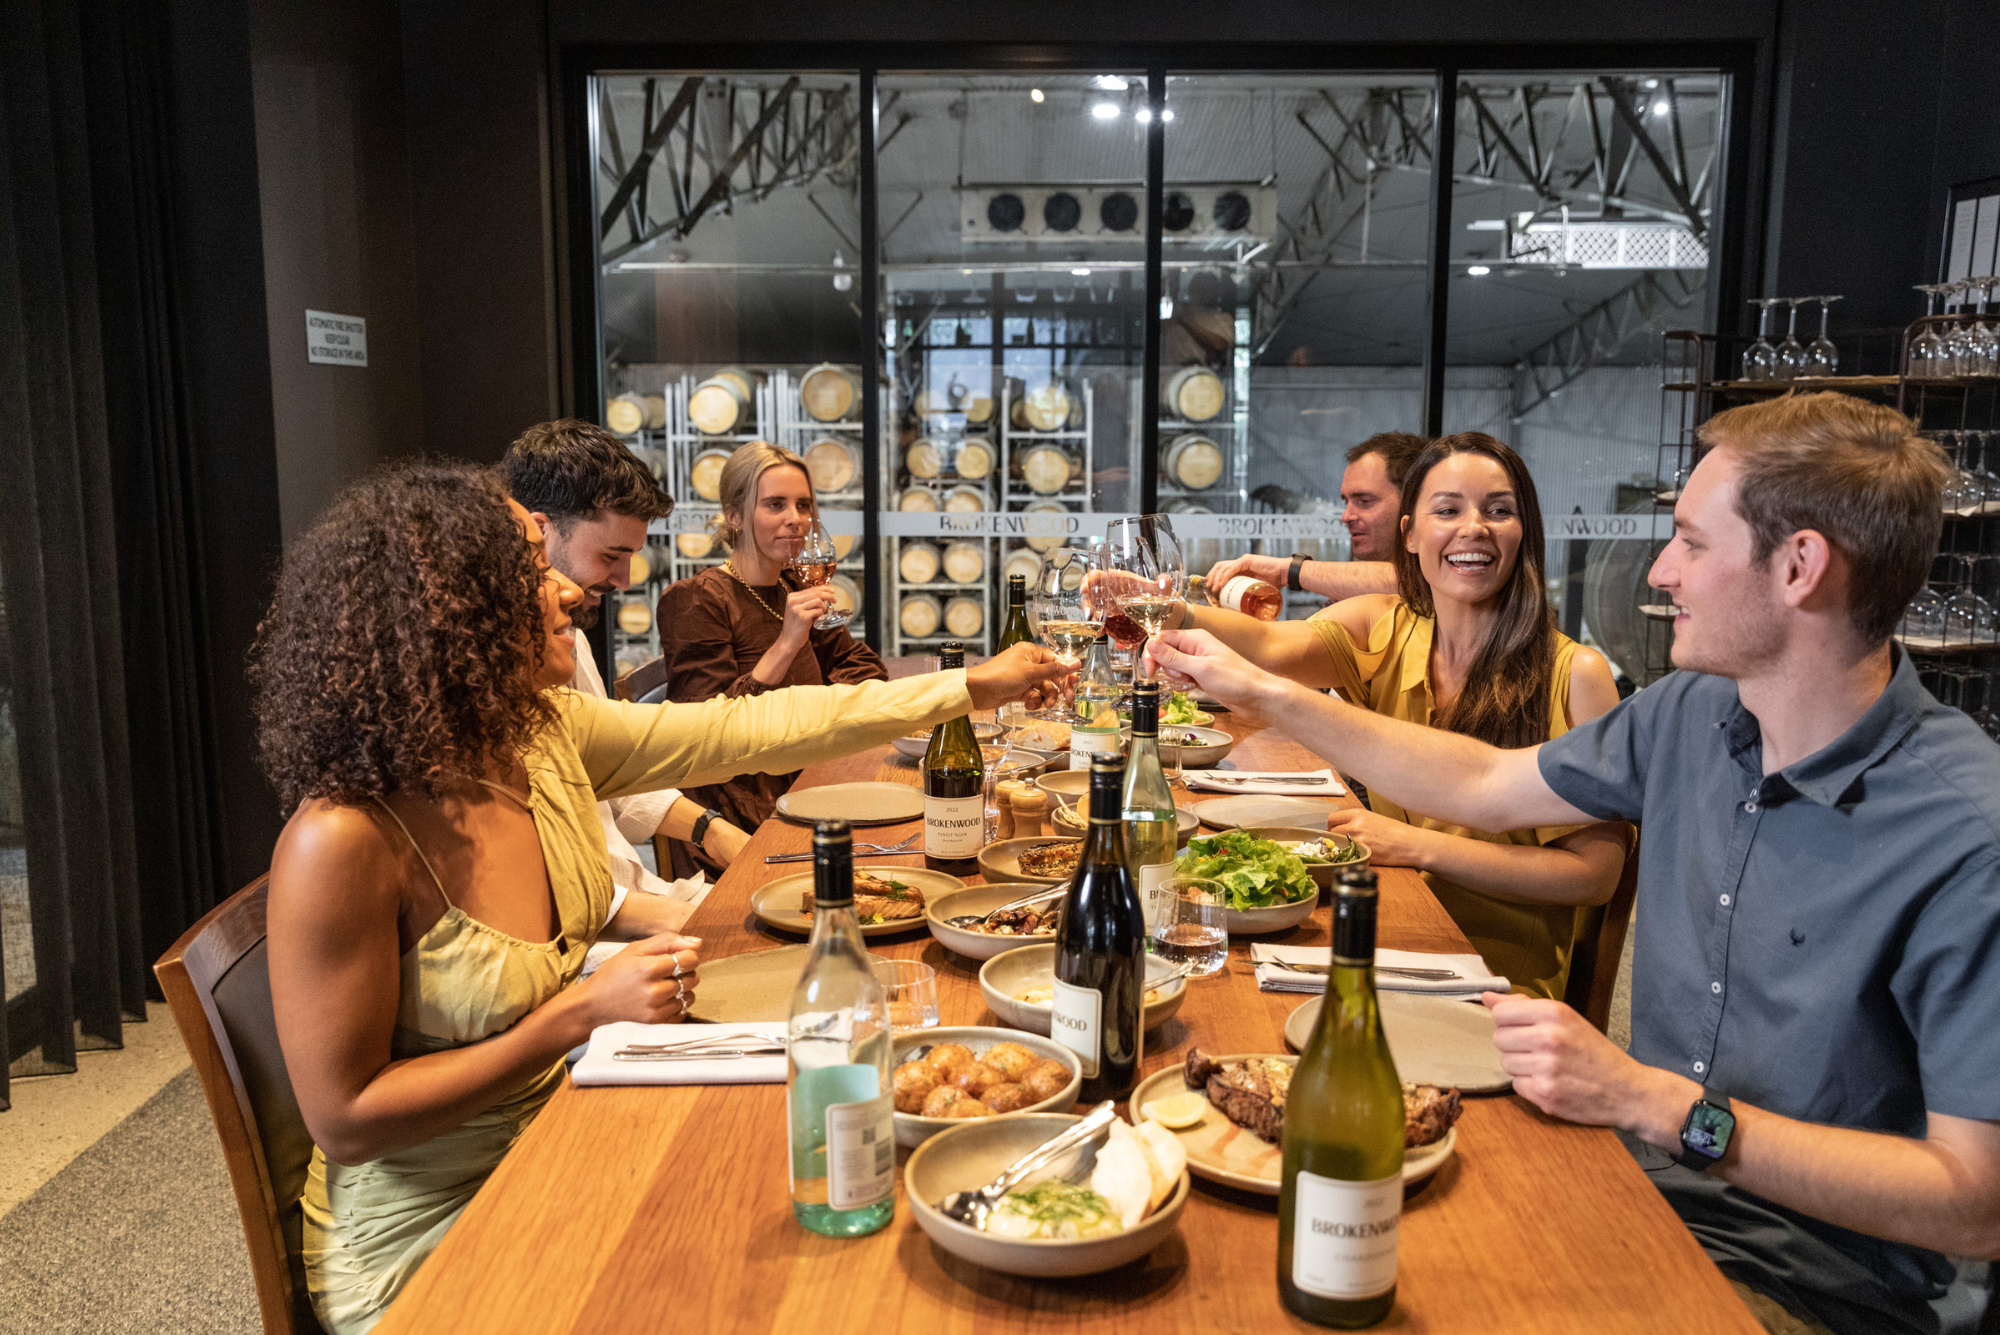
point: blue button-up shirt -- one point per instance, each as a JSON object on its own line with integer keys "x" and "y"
{"x": 1822, "y": 942}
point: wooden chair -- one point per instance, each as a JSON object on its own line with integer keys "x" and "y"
{"x": 644, "y": 685}
{"x": 217, "y": 980}
{"x": 1600, "y": 943}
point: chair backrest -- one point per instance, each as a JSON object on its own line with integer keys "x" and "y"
{"x": 645, "y": 685}
{"x": 1600, "y": 944}
{"x": 217, "y": 980}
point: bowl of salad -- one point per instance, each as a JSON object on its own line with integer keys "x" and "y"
{"x": 1325, "y": 855}
{"x": 1268, "y": 886}
{"x": 1178, "y": 711}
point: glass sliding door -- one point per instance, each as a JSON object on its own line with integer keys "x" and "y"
{"x": 728, "y": 212}
{"x": 1012, "y": 217}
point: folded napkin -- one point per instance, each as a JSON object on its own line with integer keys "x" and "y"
{"x": 598, "y": 1068}
{"x": 1474, "y": 975}
{"x": 1222, "y": 781}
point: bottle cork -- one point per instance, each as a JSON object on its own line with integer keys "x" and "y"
{"x": 1029, "y": 808}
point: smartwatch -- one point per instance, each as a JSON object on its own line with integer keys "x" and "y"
{"x": 701, "y": 824}
{"x": 1292, "y": 578}
{"x": 1706, "y": 1134}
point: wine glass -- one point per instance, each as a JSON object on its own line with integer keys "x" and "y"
{"x": 1985, "y": 337}
{"x": 1822, "y": 357}
{"x": 1924, "y": 618}
{"x": 1144, "y": 570}
{"x": 1791, "y": 352}
{"x": 1977, "y": 446}
{"x": 1961, "y": 354}
{"x": 1760, "y": 359}
{"x": 813, "y": 565}
{"x": 1968, "y": 618}
{"x": 1926, "y": 349}
{"x": 1964, "y": 494}
{"x": 1064, "y": 608}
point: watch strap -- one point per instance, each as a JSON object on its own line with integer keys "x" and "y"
{"x": 701, "y": 824}
{"x": 1292, "y": 576}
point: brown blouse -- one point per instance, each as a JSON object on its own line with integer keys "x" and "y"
{"x": 712, "y": 632}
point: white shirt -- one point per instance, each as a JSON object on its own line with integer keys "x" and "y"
{"x": 628, "y": 819}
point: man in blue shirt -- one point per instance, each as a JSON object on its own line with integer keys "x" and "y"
{"x": 1814, "y": 1079}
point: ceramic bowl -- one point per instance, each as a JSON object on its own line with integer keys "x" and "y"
{"x": 1321, "y": 872}
{"x": 915, "y": 744}
{"x": 980, "y": 899}
{"x": 971, "y": 1154}
{"x": 1276, "y": 918}
{"x": 1012, "y": 972}
{"x": 1212, "y": 746}
{"x": 912, "y": 1129}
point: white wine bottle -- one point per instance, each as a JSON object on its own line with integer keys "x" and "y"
{"x": 1341, "y": 1199}
{"x": 1152, "y": 826}
{"x": 1100, "y": 980}
{"x": 954, "y": 787}
{"x": 1016, "y": 631}
{"x": 838, "y": 1102}
{"x": 1095, "y": 728}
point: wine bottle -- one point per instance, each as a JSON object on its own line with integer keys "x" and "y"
{"x": 1341, "y": 1198}
{"x": 839, "y": 1105}
{"x": 1016, "y": 631}
{"x": 1247, "y": 594}
{"x": 1152, "y": 826}
{"x": 954, "y": 786}
{"x": 1095, "y": 728}
{"x": 1100, "y": 980}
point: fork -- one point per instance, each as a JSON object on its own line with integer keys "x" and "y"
{"x": 867, "y": 850}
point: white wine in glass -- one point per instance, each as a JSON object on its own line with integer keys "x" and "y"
{"x": 1062, "y": 607}
{"x": 1143, "y": 569}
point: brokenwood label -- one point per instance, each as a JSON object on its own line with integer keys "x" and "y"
{"x": 1344, "y": 1240}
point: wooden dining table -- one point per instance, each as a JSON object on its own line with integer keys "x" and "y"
{"x": 667, "y": 1208}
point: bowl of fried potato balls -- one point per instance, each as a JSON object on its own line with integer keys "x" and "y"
{"x": 958, "y": 1073}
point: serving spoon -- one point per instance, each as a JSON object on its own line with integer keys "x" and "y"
{"x": 974, "y": 921}
{"x": 972, "y": 1208}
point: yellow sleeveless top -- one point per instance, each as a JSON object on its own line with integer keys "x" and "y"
{"x": 1527, "y": 943}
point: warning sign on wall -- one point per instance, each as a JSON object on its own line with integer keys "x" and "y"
{"x": 338, "y": 340}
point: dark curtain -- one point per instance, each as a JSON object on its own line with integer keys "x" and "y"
{"x": 136, "y": 461}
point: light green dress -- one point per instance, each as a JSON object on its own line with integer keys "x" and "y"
{"x": 368, "y": 1227}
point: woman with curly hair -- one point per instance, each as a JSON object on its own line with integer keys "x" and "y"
{"x": 1467, "y": 644}
{"x": 443, "y": 873}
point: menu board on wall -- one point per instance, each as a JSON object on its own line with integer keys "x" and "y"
{"x": 1972, "y": 230}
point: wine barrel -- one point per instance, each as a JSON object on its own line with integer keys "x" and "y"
{"x": 919, "y": 615}
{"x": 965, "y": 562}
{"x": 830, "y": 393}
{"x": 694, "y": 546}
{"x": 843, "y": 543}
{"x": 642, "y": 569}
{"x": 1046, "y": 468}
{"x": 846, "y": 593}
{"x": 975, "y": 458}
{"x": 1046, "y": 542}
{"x": 721, "y": 403}
{"x": 978, "y": 409}
{"x": 656, "y": 411}
{"x": 705, "y": 474}
{"x": 1192, "y": 461}
{"x": 965, "y": 616}
{"x": 831, "y": 464}
{"x": 1193, "y": 394}
{"x": 917, "y": 499}
{"x": 625, "y": 414}
{"x": 1023, "y": 561}
{"x": 918, "y": 563}
{"x": 965, "y": 499}
{"x": 1045, "y": 407}
{"x": 932, "y": 403}
{"x": 634, "y": 617}
{"x": 925, "y": 459}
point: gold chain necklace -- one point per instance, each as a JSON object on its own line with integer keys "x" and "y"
{"x": 728, "y": 566}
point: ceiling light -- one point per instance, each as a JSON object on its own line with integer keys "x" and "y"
{"x": 1649, "y": 83}
{"x": 1478, "y": 270}
{"x": 1166, "y": 116}
{"x": 1660, "y": 108}
{"x": 1111, "y": 83}
{"x": 1144, "y": 115}
{"x": 1080, "y": 273}
{"x": 1035, "y": 95}
{"x": 1105, "y": 111}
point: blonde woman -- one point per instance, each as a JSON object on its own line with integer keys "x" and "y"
{"x": 739, "y": 629}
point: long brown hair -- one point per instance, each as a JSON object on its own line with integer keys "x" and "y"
{"x": 1505, "y": 700}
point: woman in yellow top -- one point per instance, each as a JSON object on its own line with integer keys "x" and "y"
{"x": 443, "y": 872}
{"x": 1469, "y": 644}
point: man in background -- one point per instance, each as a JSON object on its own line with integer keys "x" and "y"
{"x": 1370, "y": 490}
{"x": 593, "y": 498}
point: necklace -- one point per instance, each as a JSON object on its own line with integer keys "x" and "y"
{"x": 731, "y": 568}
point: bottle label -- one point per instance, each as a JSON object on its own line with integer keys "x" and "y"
{"x": 1344, "y": 1235}
{"x": 954, "y": 827}
{"x": 1233, "y": 591}
{"x": 860, "y": 1152}
{"x": 1084, "y": 742}
{"x": 1153, "y": 891}
{"x": 1079, "y": 1015}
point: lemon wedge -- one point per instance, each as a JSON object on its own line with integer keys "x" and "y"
{"x": 1179, "y": 1110}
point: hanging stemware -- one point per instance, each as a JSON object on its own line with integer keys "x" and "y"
{"x": 1791, "y": 352}
{"x": 1760, "y": 359}
{"x": 1822, "y": 357}
{"x": 1985, "y": 335}
{"x": 1960, "y": 356}
{"x": 1926, "y": 349}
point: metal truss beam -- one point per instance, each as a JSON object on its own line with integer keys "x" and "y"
{"x": 1598, "y": 333}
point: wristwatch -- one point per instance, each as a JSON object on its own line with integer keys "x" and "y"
{"x": 701, "y": 824}
{"x": 1292, "y": 578}
{"x": 1706, "y": 1134}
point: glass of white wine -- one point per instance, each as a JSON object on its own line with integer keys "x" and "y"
{"x": 1063, "y": 609}
{"x": 1144, "y": 570}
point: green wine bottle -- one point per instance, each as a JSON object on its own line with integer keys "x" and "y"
{"x": 1152, "y": 826}
{"x": 1341, "y": 1198}
{"x": 1017, "y": 630}
{"x": 954, "y": 787}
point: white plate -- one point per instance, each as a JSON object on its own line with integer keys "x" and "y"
{"x": 1227, "y": 813}
{"x": 749, "y": 988}
{"x": 855, "y": 803}
{"x": 915, "y": 744}
{"x": 1435, "y": 1040}
{"x": 780, "y": 903}
{"x": 981, "y": 899}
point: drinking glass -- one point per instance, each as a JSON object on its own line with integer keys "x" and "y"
{"x": 813, "y": 565}
{"x": 1822, "y": 357}
{"x": 1961, "y": 355}
{"x": 1145, "y": 573}
{"x": 1192, "y": 925}
{"x": 1985, "y": 336}
{"x": 1977, "y": 446}
{"x": 913, "y": 994}
{"x": 1791, "y": 352}
{"x": 1926, "y": 349}
{"x": 1968, "y": 618}
{"x": 1964, "y": 493}
{"x": 1760, "y": 359}
{"x": 1924, "y": 618}
{"x": 1064, "y": 607}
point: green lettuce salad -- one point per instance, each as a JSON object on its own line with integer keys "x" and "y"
{"x": 1255, "y": 873}
{"x": 1179, "y": 710}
